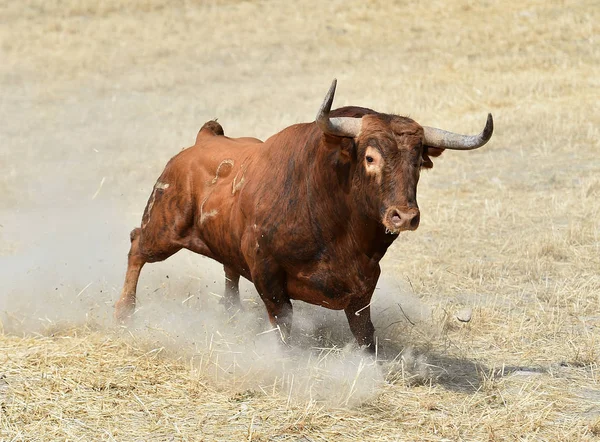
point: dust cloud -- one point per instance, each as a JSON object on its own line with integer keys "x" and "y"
{"x": 65, "y": 269}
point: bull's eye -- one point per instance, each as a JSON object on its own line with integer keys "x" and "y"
{"x": 370, "y": 159}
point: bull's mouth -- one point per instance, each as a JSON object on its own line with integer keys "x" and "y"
{"x": 399, "y": 219}
{"x": 390, "y": 229}
{"x": 390, "y": 223}
{"x": 391, "y": 232}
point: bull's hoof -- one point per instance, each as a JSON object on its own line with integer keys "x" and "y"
{"x": 369, "y": 350}
{"x": 231, "y": 305}
{"x": 124, "y": 312}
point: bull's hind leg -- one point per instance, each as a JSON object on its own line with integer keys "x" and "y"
{"x": 125, "y": 306}
{"x": 142, "y": 251}
{"x": 165, "y": 230}
{"x": 231, "y": 299}
{"x": 149, "y": 244}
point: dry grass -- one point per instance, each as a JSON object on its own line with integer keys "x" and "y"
{"x": 108, "y": 91}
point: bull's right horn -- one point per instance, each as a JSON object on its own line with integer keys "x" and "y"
{"x": 338, "y": 126}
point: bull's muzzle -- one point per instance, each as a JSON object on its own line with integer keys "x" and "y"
{"x": 398, "y": 219}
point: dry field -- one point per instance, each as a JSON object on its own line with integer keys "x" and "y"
{"x": 97, "y": 96}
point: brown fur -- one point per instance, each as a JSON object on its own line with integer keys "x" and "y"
{"x": 298, "y": 215}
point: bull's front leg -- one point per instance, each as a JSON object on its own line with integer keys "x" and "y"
{"x": 270, "y": 282}
{"x": 279, "y": 308}
{"x": 271, "y": 287}
{"x": 358, "y": 313}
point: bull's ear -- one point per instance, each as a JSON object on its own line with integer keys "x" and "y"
{"x": 429, "y": 152}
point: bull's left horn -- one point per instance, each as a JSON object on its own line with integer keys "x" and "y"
{"x": 435, "y": 137}
{"x": 338, "y": 126}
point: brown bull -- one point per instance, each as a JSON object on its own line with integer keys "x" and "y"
{"x": 306, "y": 215}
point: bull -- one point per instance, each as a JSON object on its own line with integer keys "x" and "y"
{"x": 307, "y": 215}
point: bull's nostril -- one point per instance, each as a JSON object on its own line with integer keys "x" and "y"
{"x": 396, "y": 218}
{"x": 414, "y": 222}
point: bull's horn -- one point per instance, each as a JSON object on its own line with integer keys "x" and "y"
{"x": 449, "y": 140}
{"x": 338, "y": 126}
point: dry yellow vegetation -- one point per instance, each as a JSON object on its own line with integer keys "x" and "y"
{"x": 97, "y": 96}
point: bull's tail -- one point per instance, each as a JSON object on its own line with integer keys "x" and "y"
{"x": 210, "y": 128}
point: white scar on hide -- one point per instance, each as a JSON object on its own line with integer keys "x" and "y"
{"x": 237, "y": 185}
{"x": 224, "y": 162}
{"x": 371, "y": 171}
{"x": 209, "y": 214}
{"x": 157, "y": 186}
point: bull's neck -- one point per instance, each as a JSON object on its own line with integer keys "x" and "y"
{"x": 337, "y": 203}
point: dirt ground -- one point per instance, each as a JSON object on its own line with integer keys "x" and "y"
{"x": 97, "y": 96}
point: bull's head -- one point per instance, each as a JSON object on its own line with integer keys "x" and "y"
{"x": 391, "y": 150}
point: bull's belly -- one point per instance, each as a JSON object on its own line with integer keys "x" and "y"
{"x": 333, "y": 290}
